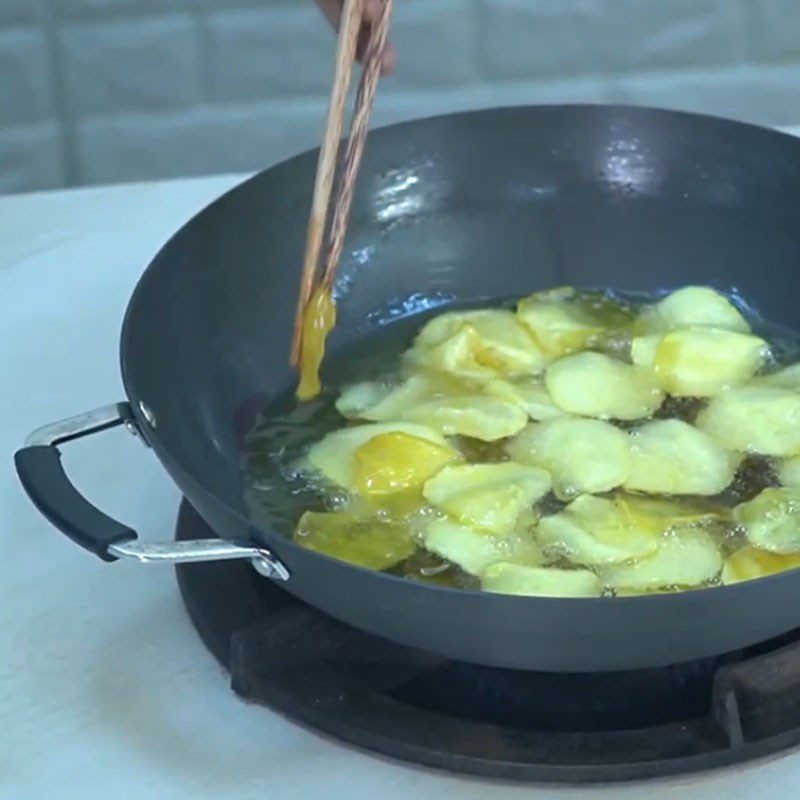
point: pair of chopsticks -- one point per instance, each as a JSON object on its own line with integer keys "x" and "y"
{"x": 315, "y": 273}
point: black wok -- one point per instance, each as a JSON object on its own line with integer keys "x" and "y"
{"x": 477, "y": 205}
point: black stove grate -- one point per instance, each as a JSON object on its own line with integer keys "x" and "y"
{"x": 563, "y": 702}
{"x": 421, "y": 708}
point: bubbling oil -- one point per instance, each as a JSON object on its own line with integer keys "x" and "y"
{"x": 279, "y": 488}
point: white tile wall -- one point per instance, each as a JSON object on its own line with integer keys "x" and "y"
{"x": 258, "y": 53}
{"x": 104, "y": 90}
{"x": 24, "y": 81}
{"x": 31, "y": 156}
{"x": 775, "y": 30}
{"x": 520, "y": 38}
{"x": 13, "y": 11}
{"x": 148, "y": 64}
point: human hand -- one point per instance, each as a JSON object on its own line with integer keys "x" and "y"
{"x": 332, "y": 9}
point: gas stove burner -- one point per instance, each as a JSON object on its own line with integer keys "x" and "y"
{"x": 526, "y": 726}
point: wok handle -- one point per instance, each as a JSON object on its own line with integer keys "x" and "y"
{"x": 43, "y": 477}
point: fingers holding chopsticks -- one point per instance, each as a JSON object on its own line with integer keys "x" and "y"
{"x": 333, "y": 12}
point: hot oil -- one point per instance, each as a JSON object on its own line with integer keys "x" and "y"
{"x": 280, "y": 487}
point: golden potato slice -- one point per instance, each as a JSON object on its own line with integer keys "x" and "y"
{"x": 505, "y": 578}
{"x": 686, "y": 556}
{"x": 689, "y": 307}
{"x": 565, "y": 321}
{"x": 487, "y": 496}
{"x": 661, "y": 514}
{"x": 335, "y": 455}
{"x": 530, "y": 394}
{"x": 702, "y": 362}
{"x": 593, "y": 531}
{"x": 474, "y": 415}
{"x": 771, "y": 521}
{"x": 583, "y": 456}
{"x": 363, "y": 540}
{"x": 473, "y": 550}
{"x": 396, "y": 462}
{"x": 477, "y": 345}
{"x": 754, "y": 419}
{"x": 749, "y": 563}
{"x": 595, "y": 385}
{"x": 671, "y": 457}
{"x": 789, "y": 472}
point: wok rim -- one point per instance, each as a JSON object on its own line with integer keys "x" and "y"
{"x": 154, "y": 439}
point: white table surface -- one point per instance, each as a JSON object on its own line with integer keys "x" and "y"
{"x": 105, "y": 689}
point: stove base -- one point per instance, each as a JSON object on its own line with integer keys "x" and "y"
{"x": 526, "y": 726}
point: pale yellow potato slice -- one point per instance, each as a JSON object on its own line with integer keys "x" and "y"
{"x": 644, "y": 349}
{"x": 691, "y": 306}
{"x": 487, "y": 496}
{"x": 334, "y": 456}
{"x": 355, "y": 400}
{"x": 643, "y": 592}
{"x": 456, "y": 356}
{"x": 475, "y": 415}
{"x": 565, "y": 321}
{"x": 686, "y": 556}
{"x": 593, "y": 531}
{"x": 754, "y": 419}
{"x": 789, "y": 472}
{"x": 381, "y": 403}
{"x": 595, "y": 385}
{"x": 771, "y": 521}
{"x": 478, "y": 345}
{"x": 749, "y": 563}
{"x": 474, "y": 550}
{"x": 505, "y": 578}
{"x": 786, "y": 378}
{"x": 439, "y": 402}
{"x": 671, "y": 457}
{"x": 583, "y": 456}
{"x": 702, "y": 362}
{"x": 527, "y": 520}
{"x": 530, "y": 394}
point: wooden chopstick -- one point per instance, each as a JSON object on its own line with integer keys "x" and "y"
{"x": 349, "y": 28}
{"x": 352, "y": 18}
{"x": 357, "y": 140}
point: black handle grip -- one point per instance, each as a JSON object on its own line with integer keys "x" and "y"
{"x": 43, "y": 477}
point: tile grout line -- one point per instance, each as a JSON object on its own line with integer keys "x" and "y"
{"x": 64, "y": 116}
{"x": 202, "y": 40}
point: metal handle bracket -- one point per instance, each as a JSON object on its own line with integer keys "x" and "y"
{"x": 198, "y": 550}
{"x": 42, "y": 474}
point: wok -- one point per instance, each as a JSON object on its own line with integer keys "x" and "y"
{"x": 477, "y": 205}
